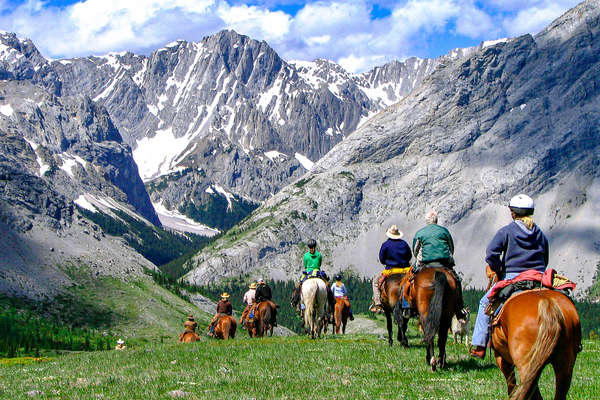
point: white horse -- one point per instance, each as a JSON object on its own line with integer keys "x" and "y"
{"x": 314, "y": 298}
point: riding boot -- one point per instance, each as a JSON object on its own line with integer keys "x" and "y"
{"x": 350, "y": 314}
{"x": 211, "y": 330}
{"x": 478, "y": 351}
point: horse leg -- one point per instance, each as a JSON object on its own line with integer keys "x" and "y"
{"x": 508, "y": 370}
{"x": 563, "y": 372}
{"x": 388, "y": 318}
{"x": 442, "y": 339}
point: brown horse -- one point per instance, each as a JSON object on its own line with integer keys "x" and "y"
{"x": 342, "y": 311}
{"x": 189, "y": 337}
{"x": 265, "y": 319}
{"x": 433, "y": 292}
{"x": 533, "y": 329}
{"x": 391, "y": 295}
{"x": 225, "y": 327}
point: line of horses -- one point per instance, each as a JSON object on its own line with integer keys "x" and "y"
{"x": 534, "y": 328}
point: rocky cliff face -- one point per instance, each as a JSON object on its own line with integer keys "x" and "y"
{"x": 226, "y": 120}
{"x": 517, "y": 116}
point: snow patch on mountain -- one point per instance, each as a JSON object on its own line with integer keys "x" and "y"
{"x": 6, "y": 109}
{"x": 304, "y": 161}
{"x": 156, "y": 156}
{"x": 175, "y": 220}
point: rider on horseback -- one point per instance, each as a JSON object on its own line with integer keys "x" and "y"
{"x": 339, "y": 290}
{"x": 263, "y": 291}
{"x": 433, "y": 246}
{"x": 394, "y": 253}
{"x": 516, "y": 247}
{"x": 224, "y": 307}
{"x": 312, "y": 269}
{"x": 249, "y": 297}
{"x": 190, "y": 325}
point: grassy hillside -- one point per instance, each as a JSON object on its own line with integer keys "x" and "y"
{"x": 135, "y": 308}
{"x": 337, "y": 367}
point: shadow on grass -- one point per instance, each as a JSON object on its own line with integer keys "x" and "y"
{"x": 469, "y": 364}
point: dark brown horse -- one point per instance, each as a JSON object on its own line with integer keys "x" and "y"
{"x": 433, "y": 292}
{"x": 189, "y": 337}
{"x": 225, "y": 327}
{"x": 390, "y": 300}
{"x": 533, "y": 329}
{"x": 265, "y": 319}
{"x": 342, "y": 312}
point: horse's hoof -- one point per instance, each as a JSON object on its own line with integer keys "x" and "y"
{"x": 405, "y": 344}
{"x": 433, "y": 365}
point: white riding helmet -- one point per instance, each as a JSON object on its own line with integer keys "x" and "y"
{"x": 522, "y": 204}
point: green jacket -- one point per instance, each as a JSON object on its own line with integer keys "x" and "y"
{"x": 433, "y": 243}
{"x": 312, "y": 262}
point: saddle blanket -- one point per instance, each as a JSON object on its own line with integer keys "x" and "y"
{"x": 394, "y": 271}
{"x": 549, "y": 279}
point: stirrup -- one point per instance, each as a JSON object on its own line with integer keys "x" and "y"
{"x": 376, "y": 308}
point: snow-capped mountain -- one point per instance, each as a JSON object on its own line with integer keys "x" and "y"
{"x": 228, "y": 111}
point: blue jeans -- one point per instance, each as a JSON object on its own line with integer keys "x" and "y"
{"x": 481, "y": 331}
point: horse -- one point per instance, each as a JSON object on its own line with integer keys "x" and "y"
{"x": 265, "y": 319}
{"x": 433, "y": 292}
{"x": 189, "y": 337}
{"x": 313, "y": 294}
{"x": 391, "y": 303}
{"x": 225, "y": 327}
{"x": 342, "y": 311}
{"x": 533, "y": 329}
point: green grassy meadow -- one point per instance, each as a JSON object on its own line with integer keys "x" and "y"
{"x": 360, "y": 366}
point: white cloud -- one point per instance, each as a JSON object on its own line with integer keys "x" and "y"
{"x": 474, "y": 23}
{"x": 339, "y": 30}
{"x": 534, "y": 18}
{"x": 255, "y": 22}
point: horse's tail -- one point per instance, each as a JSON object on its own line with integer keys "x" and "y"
{"x": 432, "y": 324}
{"x": 551, "y": 321}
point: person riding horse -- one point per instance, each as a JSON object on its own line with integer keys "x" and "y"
{"x": 339, "y": 291}
{"x": 312, "y": 261}
{"x": 433, "y": 246}
{"x": 394, "y": 253}
{"x": 190, "y": 325}
{"x": 516, "y": 247}
{"x": 249, "y": 299}
{"x": 224, "y": 307}
{"x": 263, "y": 292}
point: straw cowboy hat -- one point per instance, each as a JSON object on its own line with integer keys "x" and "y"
{"x": 394, "y": 233}
{"x": 252, "y": 285}
{"x": 225, "y": 295}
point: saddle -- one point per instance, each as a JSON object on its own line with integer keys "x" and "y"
{"x": 527, "y": 280}
{"x": 389, "y": 272}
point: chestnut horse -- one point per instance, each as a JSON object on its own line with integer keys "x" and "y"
{"x": 265, "y": 319}
{"x": 189, "y": 337}
{"x": 225, "y": 327}
{"x": 342, "y": 311}
{"x": 433, "y": 292}
{"x": 391, "y": 295}
{"x": 533, "y": 329}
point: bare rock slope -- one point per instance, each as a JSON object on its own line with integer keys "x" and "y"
{"x": 519, "y": 116}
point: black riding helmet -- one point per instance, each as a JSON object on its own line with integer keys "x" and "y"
{"x": 312, "y": 243}
{"x": 338, "y": 277}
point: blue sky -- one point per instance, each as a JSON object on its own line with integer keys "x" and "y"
{"x": 358, "y": 34}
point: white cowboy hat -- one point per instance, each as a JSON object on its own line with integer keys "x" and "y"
{"x": 394, "y": 233}
{"x": 120, "y": 341}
